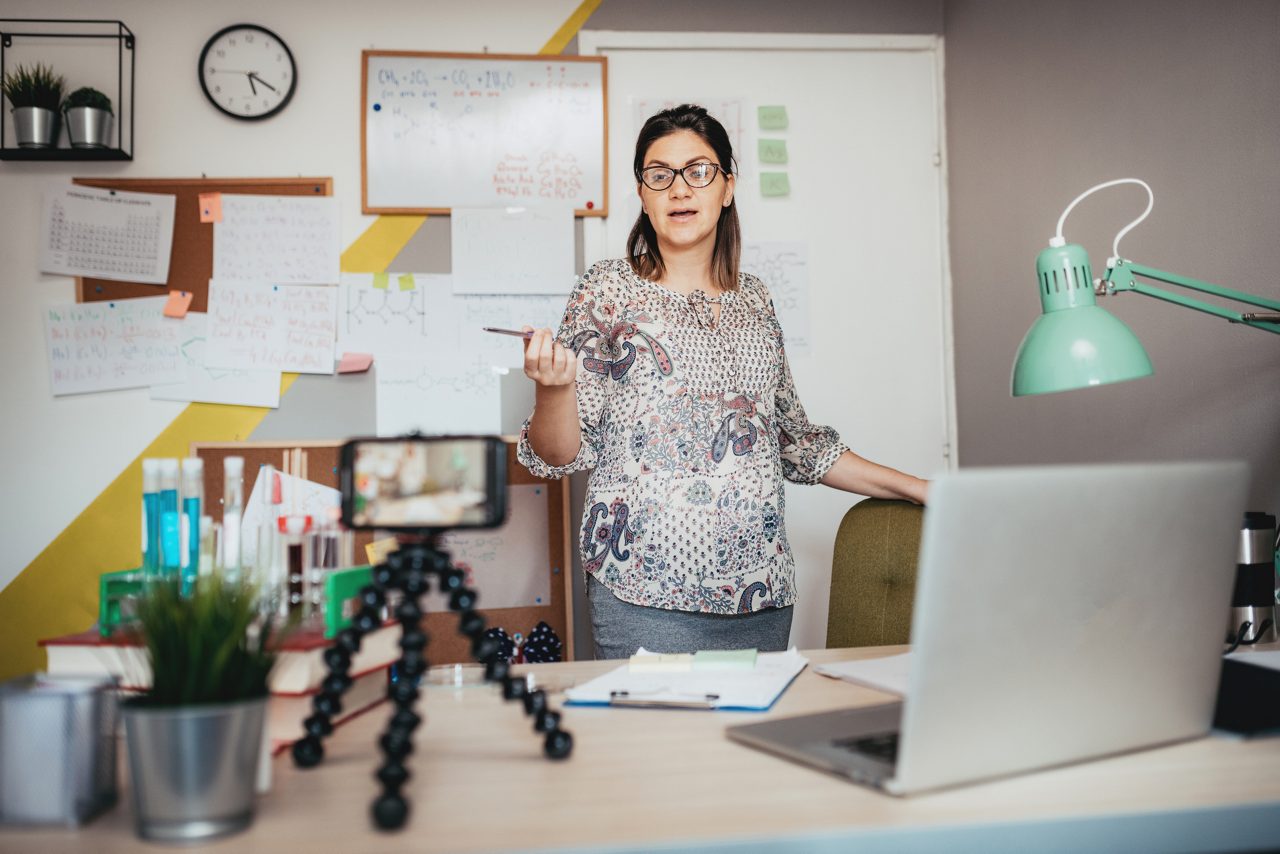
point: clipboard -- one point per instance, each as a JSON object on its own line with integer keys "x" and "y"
{"x": 754, "y": 690}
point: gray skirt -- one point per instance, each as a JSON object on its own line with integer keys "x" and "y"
{"x": 620, "y": 628}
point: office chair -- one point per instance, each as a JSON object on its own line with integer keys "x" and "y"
{"x": 873, "y": 574}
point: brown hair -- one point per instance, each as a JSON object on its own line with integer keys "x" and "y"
{"x": 642, "y": 244}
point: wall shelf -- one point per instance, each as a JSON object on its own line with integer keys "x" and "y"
{"x": 59, "y": 35}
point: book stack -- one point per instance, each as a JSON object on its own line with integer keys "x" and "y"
{"x": 294, "y": 681}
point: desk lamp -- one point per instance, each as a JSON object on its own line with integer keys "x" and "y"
{"x": 1076, "y": 343}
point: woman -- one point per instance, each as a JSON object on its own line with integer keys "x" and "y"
{"x": 668, "y": 378}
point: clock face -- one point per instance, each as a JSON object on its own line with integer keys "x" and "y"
{"x": 247, "y": 72}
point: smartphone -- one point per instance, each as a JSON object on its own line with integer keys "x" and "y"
{"x": 424, "y": 483}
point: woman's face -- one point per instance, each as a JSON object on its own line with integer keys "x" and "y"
{"x": 684, "y": 216}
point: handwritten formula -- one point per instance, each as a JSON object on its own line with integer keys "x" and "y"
{"x": 102, "y": 346}
{"x": 447, "y": 131}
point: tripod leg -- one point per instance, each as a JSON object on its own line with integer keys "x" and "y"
{"x": 558, "y": 743}
{"x": 309, "y": 750}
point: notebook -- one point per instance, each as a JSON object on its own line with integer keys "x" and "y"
{"x": 1061, "y": 614}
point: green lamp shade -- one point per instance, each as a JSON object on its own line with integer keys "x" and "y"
{"x": 1074, "y": 343}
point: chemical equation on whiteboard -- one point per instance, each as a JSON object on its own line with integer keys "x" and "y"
{"x": 475, "y": 379}
{"x": 435, "y": 105}
{"x": 554, "y": 176}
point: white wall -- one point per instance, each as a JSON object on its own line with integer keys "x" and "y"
{"x": 58, "y": 454}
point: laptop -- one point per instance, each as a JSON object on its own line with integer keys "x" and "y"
{"x": 1061, "y": 614}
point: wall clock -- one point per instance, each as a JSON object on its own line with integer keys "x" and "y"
{"x": 247, "y": 72}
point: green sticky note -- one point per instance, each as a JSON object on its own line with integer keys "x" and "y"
{"x": 774, "y": 184}
{"x": 773, "y": 151}
{"x": 406, "y": 282}
{"x": 724, "y": 659}
{"x": 381, "y": 281}
{"x": 772, "y": 118}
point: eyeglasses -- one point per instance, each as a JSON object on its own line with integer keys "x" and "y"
{"x": 696, "y": 175}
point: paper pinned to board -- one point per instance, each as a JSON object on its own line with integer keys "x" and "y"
{"x": 512, "y": 250}
{"x": 107, "y": 234}
{"x": 507, "y": 566}
{"x": 203, "y": 384}
{"x": 445, "y": 395}
{"x": 263, "y": 326}
{"x": 783, "y": 266}
{"x": 292, "y": 240}
{"x": 104, "y": 346}
{"x": 888, "y": 673}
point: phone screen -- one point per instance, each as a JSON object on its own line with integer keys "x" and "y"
{"x": 424, "y": 483}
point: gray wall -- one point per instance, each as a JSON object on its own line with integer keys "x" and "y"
{"x": 1046, "y": 99}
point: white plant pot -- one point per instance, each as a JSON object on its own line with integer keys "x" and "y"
{"x": 88, "y": 127}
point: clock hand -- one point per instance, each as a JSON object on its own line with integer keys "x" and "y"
{"x": 253, "y": 74}
{"x": 251, "y": 86}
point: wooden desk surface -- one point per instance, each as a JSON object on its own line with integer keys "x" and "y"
{"x": 642, "y": 778}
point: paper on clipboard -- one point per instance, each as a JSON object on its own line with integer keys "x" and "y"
{"x": 743, "y": 690}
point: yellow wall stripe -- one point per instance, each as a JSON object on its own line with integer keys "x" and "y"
{"x": 373, "y": 251}
{"x": 558, "y": 42}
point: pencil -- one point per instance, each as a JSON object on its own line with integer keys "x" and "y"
{"x": 517, "y": 333}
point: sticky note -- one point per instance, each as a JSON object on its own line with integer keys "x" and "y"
{"x": 660, "y": 663}
{"x": 406, "y": 282}
{"x": 354, "y": 363}
{"x": 178, "y": 304}
{"x": 774, "y": 184}
{"x": 725, "y": 659}
{"x": 376, "y": 552}
{"x": 772, "y": 117}
{"x": 210, "y": 207}
{"x": 381, "y": 281}
{"x": 773, "y": 151}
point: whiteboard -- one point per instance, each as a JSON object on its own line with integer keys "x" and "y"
{"x": 446, "y": 130}
{"x": 866, "y": 212}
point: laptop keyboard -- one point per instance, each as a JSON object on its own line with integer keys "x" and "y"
{"x": 883, "y": 746}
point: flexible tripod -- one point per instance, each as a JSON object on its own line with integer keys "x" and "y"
{"x": 407, "y": 570}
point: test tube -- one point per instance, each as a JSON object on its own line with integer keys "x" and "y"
{"x": 192, "y": 507}
{"x": 232, "y": 512}
{"x": 150, "y": 517}
{"x": 170, "y": 527}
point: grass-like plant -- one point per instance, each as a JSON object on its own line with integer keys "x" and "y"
{"x": 34, "y": 86}
{"x": 87, "y": 96}
{"x": 206, "y": 647}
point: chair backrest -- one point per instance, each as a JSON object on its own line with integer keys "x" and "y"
{"x": 873, "y": 574}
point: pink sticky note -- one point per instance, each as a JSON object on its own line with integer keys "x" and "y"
{"x": 211, "y": 207}
{"x": 178, "y": 304}
{"x": 354, "y": 363}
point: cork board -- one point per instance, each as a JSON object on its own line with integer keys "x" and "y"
{"x": 446, "y": 645}
{"x": 191, "y": 260}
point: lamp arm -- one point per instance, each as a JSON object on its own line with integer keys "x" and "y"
{"x": 1121, "y": 276}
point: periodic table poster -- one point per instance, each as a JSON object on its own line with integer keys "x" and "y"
{"x": 107, "y": 234}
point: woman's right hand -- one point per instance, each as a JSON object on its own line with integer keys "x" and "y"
{"x": 546, "y": 361}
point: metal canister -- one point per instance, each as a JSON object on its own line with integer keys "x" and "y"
{"x": 1254, "y": 600}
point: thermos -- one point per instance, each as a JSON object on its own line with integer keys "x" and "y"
{"x": 1253, "y": 603}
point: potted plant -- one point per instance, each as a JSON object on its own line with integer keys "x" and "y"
{"x": 194, "y": 737}
{"x": 35, "y": 93}
{"x": 88, "y": 115}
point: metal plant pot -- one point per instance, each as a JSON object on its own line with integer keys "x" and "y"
{"x": 88, "y": 127}
{"x": 193, "y": 768}
{"x": 35, "y": 127}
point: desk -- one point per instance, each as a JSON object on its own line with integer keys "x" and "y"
{"x": 640, "y": 779}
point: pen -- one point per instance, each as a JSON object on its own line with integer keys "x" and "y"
{"x": 517, "y": 333}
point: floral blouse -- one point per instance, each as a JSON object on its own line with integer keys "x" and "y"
{"x": 690, "y": 423}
